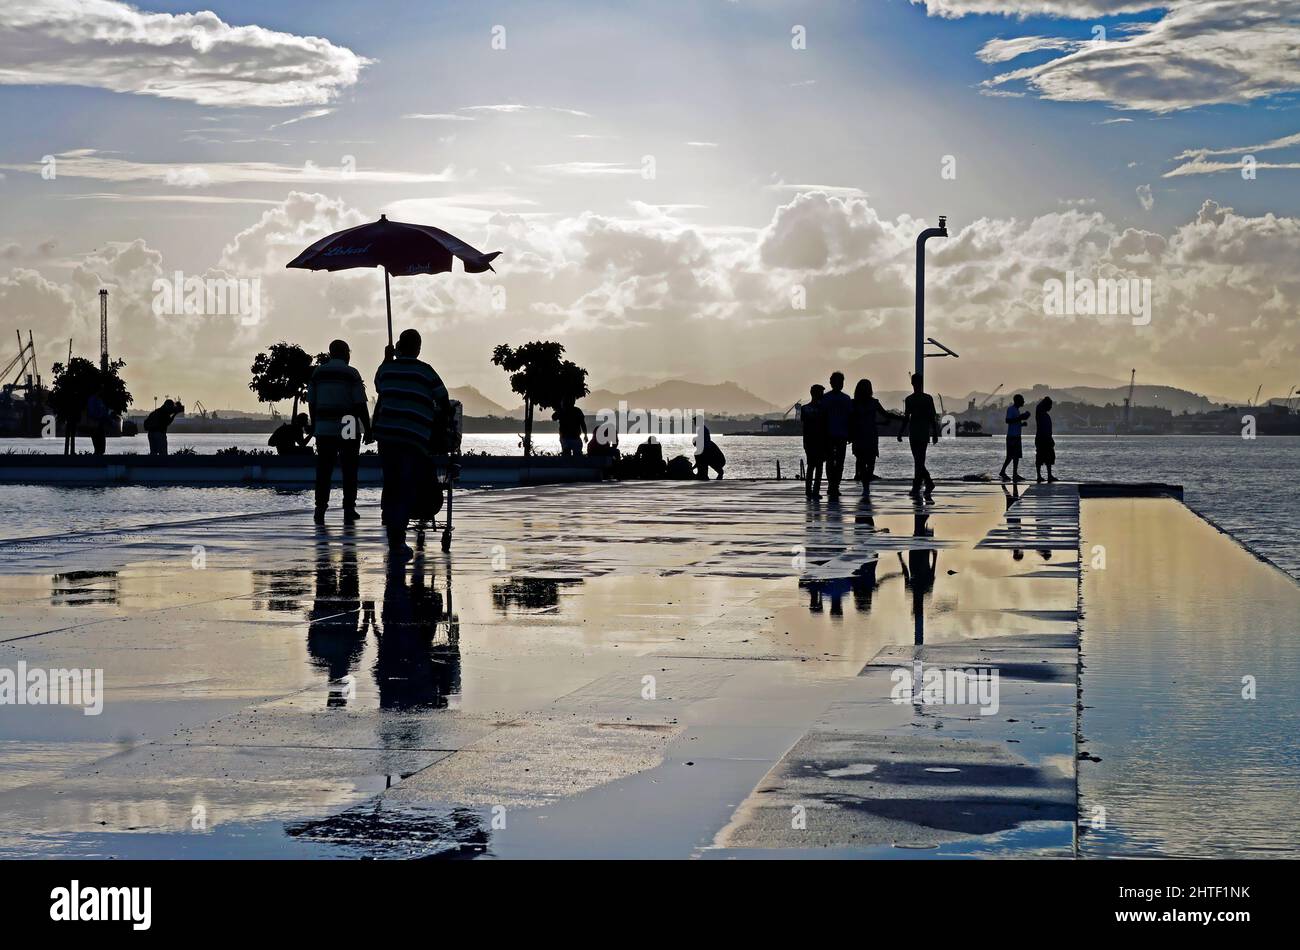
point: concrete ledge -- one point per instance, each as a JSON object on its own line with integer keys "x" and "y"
{"x": 1129, "y": 490}
{"x": 273, "y": 471}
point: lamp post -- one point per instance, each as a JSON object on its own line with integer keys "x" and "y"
{"x": 942, "y": 232}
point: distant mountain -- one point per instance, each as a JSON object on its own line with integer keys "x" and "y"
{"x": 474, "y": 403}
{"x": 1172, "y": 398}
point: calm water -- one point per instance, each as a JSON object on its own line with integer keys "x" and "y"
{"x": 1249, "y": 488}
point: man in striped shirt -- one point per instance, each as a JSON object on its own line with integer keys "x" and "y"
{"x": 412, "y": 405}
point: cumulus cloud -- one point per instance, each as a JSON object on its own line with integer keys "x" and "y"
{"x": 651, "y": 289}
{"x": 195, "y": 57}
{"x": 1145, "y": 197}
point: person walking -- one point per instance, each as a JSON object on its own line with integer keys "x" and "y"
{"x": 340, "y": 420}
{"x": 1044, "y": 444}
{"x": 156, "y": 423}
{"x": 867, "y": 411}
{"x": 1016, "y": 418}
{"x": 812, "y": 419}
{"x": 921, "y": 423}
{"x": 839, "y": 415}
{"x": 412, "y": 402}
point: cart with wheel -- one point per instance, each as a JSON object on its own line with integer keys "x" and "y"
{"x": 444, "y": 471}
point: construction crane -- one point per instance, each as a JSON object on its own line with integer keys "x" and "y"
{"x": 990, "y": 396}
{"x": 1258, "y": 390}
{"x": 203, "y": 410}
{"x": 26, "y": 358}
{"x": 1128, "y": 400}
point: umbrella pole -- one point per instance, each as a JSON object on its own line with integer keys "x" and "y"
{"x": 388, "y": 302}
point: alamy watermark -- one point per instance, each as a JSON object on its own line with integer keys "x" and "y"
{"x": 1098, "y": 297}
{"x": 54, "y": 687}
{"x": 943, "y": 686}
{"x": 179, "y": 296}
{"x": 610, "y": 423}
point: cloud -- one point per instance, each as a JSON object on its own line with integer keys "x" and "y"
{"x": 196, "y": 57}
{"x": 90, "y": 164}
{"x": 1147, "y": 200}
{"x": 651, "y": 289}
{"x": 438, "y": 117}
{"x": 1199, "y": 52}
{"x": 512, "y": 107}
{"x": 312, "y": 114}
{"x": 591, "y": 168}
{"x": 1067, "y": 9}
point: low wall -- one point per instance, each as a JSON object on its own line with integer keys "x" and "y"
{"x": 273, "y": 471}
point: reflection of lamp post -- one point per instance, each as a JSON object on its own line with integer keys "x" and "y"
{"x": 940, "y": 231}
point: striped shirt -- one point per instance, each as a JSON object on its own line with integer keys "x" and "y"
{"x": 412, "y": 399}
{"x": 335, "y": 391}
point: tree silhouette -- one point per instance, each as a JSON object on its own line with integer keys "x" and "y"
{"x": 542, "y": 377}
{"x": 74, "y": 383}
{"x": 282, "y": 372}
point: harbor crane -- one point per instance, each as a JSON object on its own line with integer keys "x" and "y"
{"x": 990, "y": 396}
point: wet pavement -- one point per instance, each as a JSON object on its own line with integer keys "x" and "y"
{"x": 639, "y": 669}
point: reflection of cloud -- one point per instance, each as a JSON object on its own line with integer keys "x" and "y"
{"x": 192, "y": 56}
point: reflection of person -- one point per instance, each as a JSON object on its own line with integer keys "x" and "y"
{"x": 412, "y": 404}
{"x": 867, "y": 411}
{"x": 291, "y": 438}
{"x": 1044, "y": 444}
{"x": 414, "y": 669}
{"x": 839, "y": 415}
{"x": 812, "y": 420}
{"x": 336, "y": 397}
{"x": 1016, "y": 418}
{"x": 336, "y": 636}
{"x": 919, "y": 572}
{"x": 921, "y": 423}
{"x": 572, "y": 424}
{"x": 156, "y": 423}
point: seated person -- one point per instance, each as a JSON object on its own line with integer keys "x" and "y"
{"x": 291, "y": 438}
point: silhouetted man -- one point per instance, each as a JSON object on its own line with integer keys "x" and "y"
{"x": 921, "y": 423}
{"x": 97, "y": 416}
{"x": 707, "y": 454}
{"x": 813, "y": 419}
{"x": 336, "y": 397}
{"x": 1044, "y": 444}
{"x": 413, "y": 402}
{"x": 291, "y": 438}
{"x": 156, "y": 423}
{"x": 572, "y": 424}
{"x": 1016, "y": 417}
{"x": 839, "y": 428}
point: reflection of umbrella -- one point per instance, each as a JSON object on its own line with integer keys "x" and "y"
{"x": 400, "y": 249}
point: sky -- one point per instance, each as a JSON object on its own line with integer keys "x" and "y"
{"x": 704, "y": 190}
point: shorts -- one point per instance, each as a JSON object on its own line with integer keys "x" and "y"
{"x": 1044, "y": 450}
{"x": 1015, "y": 450}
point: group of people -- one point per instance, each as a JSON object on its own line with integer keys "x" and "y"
{"x": 410, "y": 425}
{"x": 832, "y": 422}
{"x": 1044, "y": 444}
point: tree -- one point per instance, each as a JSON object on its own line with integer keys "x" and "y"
{"x": 540, "y": 375}
{"x": 74, "y": 383}
{"x": 282, "y": 372}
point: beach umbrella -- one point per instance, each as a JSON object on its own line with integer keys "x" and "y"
{"x": 401, "y": 249}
